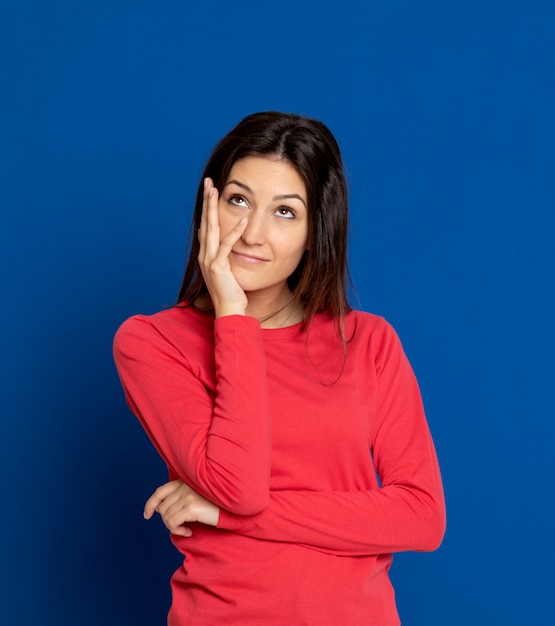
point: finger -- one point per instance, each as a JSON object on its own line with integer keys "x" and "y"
{"x": 204, "y": 215}
{"x": 232, "y": 238}
{"x": 178, "y": 518}
{"x": 212, "y": 235}
{"x": 182, "y": 531}
{"x": 202, "y": 229}
{"x": 177, "y": 510}
{"x": 170, "y": 502}
{"x": 175, "y": 523}
{"x": 159, "y": 496}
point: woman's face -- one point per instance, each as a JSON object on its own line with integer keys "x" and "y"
{"x": 272, "y": 195}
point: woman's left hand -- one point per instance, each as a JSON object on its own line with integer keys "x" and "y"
{"x": 178, "y": 504}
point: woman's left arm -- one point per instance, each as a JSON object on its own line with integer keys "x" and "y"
{"x": 406, "y": 513}
{"x": 393, "y": 518}
{"x": 359, "y": 523}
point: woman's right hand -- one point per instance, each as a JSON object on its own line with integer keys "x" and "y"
{"x": 227, "y": 296}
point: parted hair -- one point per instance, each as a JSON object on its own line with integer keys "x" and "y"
{"x": 319, "y": 283}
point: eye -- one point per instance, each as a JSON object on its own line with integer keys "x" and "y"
{"x": 237, "y": 200}
{"x": 286, "y": 212}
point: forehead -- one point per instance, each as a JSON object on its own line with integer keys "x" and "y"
{"x": 269, "y": 173}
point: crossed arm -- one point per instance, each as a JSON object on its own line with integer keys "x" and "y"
{"x": 406, "y": 513}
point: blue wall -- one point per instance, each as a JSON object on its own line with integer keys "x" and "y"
{"x": 446, "y": 115}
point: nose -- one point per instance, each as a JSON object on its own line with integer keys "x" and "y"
{"x": 255, "y": 232}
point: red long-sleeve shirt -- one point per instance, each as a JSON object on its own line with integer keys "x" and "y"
{"x": 286, "y": 433}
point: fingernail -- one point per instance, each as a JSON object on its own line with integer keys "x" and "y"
{"x": 206, "y": 183}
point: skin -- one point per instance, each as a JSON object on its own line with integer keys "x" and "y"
{"x": 178, "y": 504}
{"x": 251, "y": 240}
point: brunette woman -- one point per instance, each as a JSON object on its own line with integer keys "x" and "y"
{"x": 292, "y": 426}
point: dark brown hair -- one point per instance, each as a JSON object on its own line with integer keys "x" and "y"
{"x": 319, "y": 282}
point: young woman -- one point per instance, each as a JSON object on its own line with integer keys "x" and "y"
{"x": 292, "y": 426}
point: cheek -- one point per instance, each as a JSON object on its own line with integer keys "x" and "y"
{"x": 295, "y": 252}
{"x": 224, "y": 220}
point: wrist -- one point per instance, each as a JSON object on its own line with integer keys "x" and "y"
{"x": 226, "y": 311}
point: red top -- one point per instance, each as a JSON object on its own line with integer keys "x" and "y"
{"x": 286, "y": 435}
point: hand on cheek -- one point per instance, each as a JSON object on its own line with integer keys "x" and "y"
{"x": 227, "y": 296}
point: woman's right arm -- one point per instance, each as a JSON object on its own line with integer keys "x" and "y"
{"x": 218, "y": 443}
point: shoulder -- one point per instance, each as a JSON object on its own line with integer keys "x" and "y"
{"x": 374, "y": 335}
{"x": 368, "y": 325}
{"x": 357, "y": 327}
{"x": 171, "y": 329}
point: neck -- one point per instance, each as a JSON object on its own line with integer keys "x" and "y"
{"x": 274, "y": 310}
{"x": 271, "y": 310}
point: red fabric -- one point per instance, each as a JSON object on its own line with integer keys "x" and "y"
{"x": 279, "y": 429}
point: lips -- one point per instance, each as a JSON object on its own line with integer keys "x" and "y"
{"x": 248, "y": 258}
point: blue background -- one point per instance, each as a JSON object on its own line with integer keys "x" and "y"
{"x": 445, "y": 112}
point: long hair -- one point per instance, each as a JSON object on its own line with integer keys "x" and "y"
{"x": 319, "y": 283}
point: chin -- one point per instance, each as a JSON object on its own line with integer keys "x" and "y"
{"x": 249, "y": 284}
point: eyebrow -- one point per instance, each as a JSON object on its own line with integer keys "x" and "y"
{"x": 285, "y": 196}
